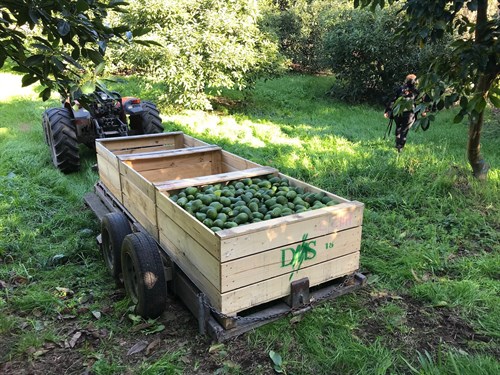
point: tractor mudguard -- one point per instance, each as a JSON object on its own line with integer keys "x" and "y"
{"x": 132, "y": 105}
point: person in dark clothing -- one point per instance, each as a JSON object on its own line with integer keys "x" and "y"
{"x": 406, "y": 116}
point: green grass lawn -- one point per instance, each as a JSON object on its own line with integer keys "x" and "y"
{"x": 430, "y": 245}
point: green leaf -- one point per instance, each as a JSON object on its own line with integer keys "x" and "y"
{"x": 82, "y": 5}
{"x": 276, "y": 358}
{"x": 99, "y": 68}
{"x": 495, "y": 100}
{"x": 41, "y": 47}
{"x": 95, "y": 56}
{"x": 45, "y": 94}
{"x": 88, "y": 87}
{"x": 458, "y": 118}
{"x": 57, "y": 63}
{"x": 34, "y": 60}
{"x": 140, "y": 31}
{"x": 63, "y": 27}
{"x": 464, "y": 102}
{"x": 28, "y": 79}
{"x": 114, "y": 3}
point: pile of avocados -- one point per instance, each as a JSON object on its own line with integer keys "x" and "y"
{"x": 249, "y": 200}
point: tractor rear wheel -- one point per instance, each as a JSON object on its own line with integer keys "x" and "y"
{"x": 148, "y": 122}
{"x": 144, "y": 275}
{"x": 60, "y": 134}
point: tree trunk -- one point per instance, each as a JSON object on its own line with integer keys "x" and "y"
{"x": 479, "y": 166}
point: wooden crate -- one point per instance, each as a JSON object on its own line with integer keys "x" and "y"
{"x": 251, "y": 264}
{"x": 109, "y": 149}
{"x": 236, "y": 268}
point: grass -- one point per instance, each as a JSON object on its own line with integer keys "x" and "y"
{"x": 430, "y": 240}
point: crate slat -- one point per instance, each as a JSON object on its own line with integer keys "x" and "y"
{"x": 272, "y": 289}
{"x": 195, "y": 229}
{"x": 193, "y": 256}
{"x": 279, "y": 261}
{"x": 167, "y": 154}
{"x": 248, "y": 239}
{"x": 167, "y": 186}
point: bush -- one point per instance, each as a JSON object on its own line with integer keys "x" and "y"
{"x": 300, "y": 26}
{"x": 201, "y": 44}
{"x": 366, "y": 56}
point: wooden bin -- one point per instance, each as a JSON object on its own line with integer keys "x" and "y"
{"x": 109, "y": 150}
{"x": 250, "y": 265}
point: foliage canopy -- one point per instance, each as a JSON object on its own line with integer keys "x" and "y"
{"x": 54, "y": 42}
{"x": 203, "y": 44}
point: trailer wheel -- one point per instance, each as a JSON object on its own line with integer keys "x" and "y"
{"x": 144, "y": 275}
{"x": 60, "y": 135}
{"x": 114, "y": 228}
{"x": 148, "y": 122}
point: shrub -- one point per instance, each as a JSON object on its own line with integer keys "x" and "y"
{"x": 201, "y": 44}
{"x": 300, "y": 26}
{"x": 367, "y": 57}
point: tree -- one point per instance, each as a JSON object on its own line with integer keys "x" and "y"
{"x": 50, "y": 41}
{"x": 204, "y": 44}
{"x": 470, "y": 73}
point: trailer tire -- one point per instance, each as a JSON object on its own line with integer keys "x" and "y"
{"x": 144, "y": 275}
{"x": 147, "y": 122}
{"x": 114, "y": 228}
{"x": 60, "y": 135}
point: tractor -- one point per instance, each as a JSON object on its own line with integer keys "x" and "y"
{"x": 106, "y": 114}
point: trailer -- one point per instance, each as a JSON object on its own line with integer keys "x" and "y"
{"x": 232, "y": 280}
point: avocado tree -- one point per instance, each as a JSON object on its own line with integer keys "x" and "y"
{"x": 49, "y": 41}
{"x": 470, "y": 73}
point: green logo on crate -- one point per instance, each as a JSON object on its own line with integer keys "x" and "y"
{"x": 296, "y": 256}
{"x": 306, "y": 250}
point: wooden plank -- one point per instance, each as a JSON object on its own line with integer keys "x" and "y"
{"x": 110, "y": 176}
{"x": 178, "y": 171}
{"x": 217, "y": 163}
{"x": 194, "y": 256}
{"x": 235, "y": 163}
{"x": 179, "y": 141}
{"x": 254, "y": 238}
{"x": 174, "y": 159}
{"x": 140, "y": 150}
{"x": 136, "y": 141}
{"x": 104, "y": 153}
{"x": 275, "y": 262}
{"x": 272, "y": 289}
{"x": 213, "y": 179}
{"x": 192, "y": 142}
{"x": 133, "y": 205}
{"x": 135, "y": 178}
{"x": 203, "y": 235}
{"x": 184, "y": 264}
{"x": 139, "y": 198}
{"x": 168, "y": 154}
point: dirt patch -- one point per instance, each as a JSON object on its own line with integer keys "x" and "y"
{"x": 421, "y": 328}
{"x": 82, "y": 347}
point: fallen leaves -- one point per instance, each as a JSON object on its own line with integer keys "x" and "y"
{"x": 137, "y": 348}
{"x": 142, "y": 345}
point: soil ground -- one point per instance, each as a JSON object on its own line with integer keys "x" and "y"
{"x": 420, "y": 329}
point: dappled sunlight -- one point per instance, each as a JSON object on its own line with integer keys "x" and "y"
{"x": 11, "y": 87}
{"x": 245, "y": 131}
